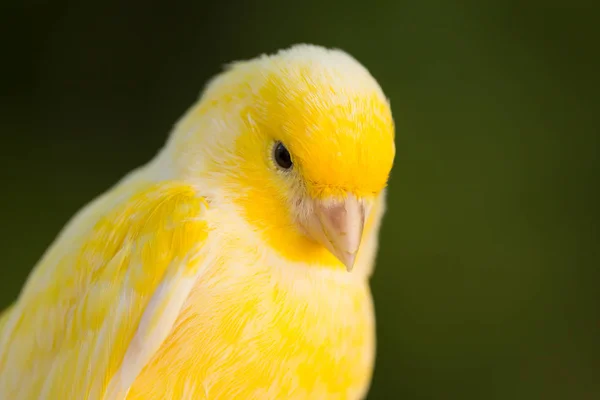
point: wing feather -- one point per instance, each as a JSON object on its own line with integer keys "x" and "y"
{"x": 97, "y": 308}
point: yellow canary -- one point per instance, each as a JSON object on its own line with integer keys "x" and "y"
{"x": 233, "y": 265}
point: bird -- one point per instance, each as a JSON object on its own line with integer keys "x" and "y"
{"x": 235, "y": 263}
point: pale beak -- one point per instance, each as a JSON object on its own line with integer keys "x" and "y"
{"x": 338, "y": 225}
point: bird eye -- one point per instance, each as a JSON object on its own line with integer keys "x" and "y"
{"x": 282, "y": 156}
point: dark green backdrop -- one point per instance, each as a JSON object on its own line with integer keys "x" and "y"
{"x": 487, "y": 281}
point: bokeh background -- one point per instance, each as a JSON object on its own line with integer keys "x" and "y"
{"x": 487, "y": 281}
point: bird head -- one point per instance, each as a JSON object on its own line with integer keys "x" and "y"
{"x": 301, "y": 142}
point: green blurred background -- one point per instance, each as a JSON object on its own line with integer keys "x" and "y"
{"x": 487, "y": 281}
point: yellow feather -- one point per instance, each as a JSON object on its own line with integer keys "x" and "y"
{"x": 68, "y": 337}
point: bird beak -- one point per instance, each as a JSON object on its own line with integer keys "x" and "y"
{"x": 338, "y": 225}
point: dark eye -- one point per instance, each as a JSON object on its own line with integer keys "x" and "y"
{"x": 282, "y": 156}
